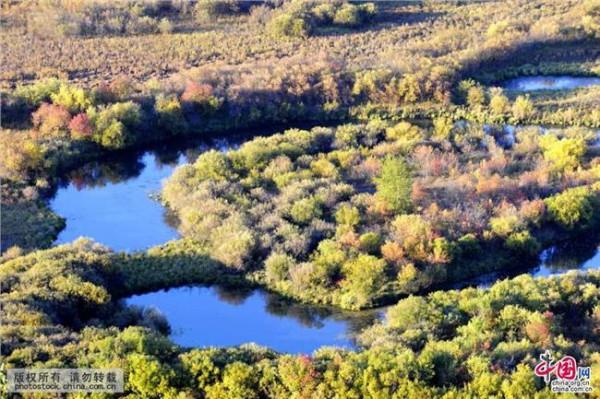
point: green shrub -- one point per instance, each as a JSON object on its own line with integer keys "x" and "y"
{"x": 499, "y": 103}
{"x": 406, "y": 134}
{"x": 212, "y": 165}
{"x": 324, "y": 13}
{"x": 114, "y": 124}
{"x": 347, "y": 215}
{"x": 348, "y": 15}
{"x": 370, "y": 242}
{"x": 170, "y": 115}
{"x": 565, "y": 154}
{"x": 42, "y": 90}
{"x": 306, "y": 210}
{"x": 287, "y": 25}
{"x": 233, "y": 243}
{"x": 114, "y": 135}
{"x": 572, "y": 208}
{"x": 210, "y": 9}
{"x": 442, "y": 128}
{"x": 278, "y": 266}
{"x": 352, "y": 15}
{"x": 165, "y": 26}
{"x": 365, "y": 276}
{"x": 73, "y": 98}
{"x": 523, "y": 243}
{"x": 522, "y": 108}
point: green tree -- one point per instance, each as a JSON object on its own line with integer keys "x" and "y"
{"x": 564, "y": 154}
{"x": 74, "y": 99}
{"x": 289, "y": 25}
{"x": 277, "y": 266}
{"x": 148, "y": 378}
{"x": 240, "y": 381}
{"x": 170, "y": 114}
{"x": 523, "y": 243}
{"x": 522, "y": 108}
{"x": 394, "y": 184}
{"x": 405, "y": 133}
{"x": 233, "y": 242}
{"x": 208, "y": 10}
{"x": 370, "y": 242}
{"x": 305, "y": 210}
{"x": 442, "y": 128}
{"x": 475, "y": 97}
{"x": 365, "y": 277}
{"x": 499, "y": 103}
{"x": 212, "y": 165}
{"x": 347, "y": 215}
{"x": 571, "y": 208}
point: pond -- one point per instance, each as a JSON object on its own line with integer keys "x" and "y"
{"x": 114, "y": 201}
{"x": 216, "y": 316}
{"x": 535, "y": 83}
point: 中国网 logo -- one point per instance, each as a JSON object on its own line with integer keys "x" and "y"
{"x": 563, "y": 375}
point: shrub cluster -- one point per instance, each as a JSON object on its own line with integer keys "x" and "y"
{"x": 98, "y": 17}
{"x": 357, "y": 213}
{"x": 302, "y": 18}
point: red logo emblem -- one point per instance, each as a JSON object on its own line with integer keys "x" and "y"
{"x": 565, "y": 368}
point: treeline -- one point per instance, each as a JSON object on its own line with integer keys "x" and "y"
{"x": 299, "y": 18}
{"x": 69, "y": 121}
{"x": 60, "y": 311}
{"x": 303, "y": 18}
{"x": 66, "y": 119}
{"x": 60, "y": 18}
{"x": 357, "y": 214}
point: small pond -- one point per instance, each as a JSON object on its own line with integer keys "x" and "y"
{"x": 535, "y": 83}
{"x": 114, "y": 201}
{"x": 216, "y": 316}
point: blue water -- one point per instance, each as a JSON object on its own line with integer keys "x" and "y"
{"x": 535, "y": 83}
{"x": 115, "y": 201}
{"x": 202, "y": 316}
{"x": 556, "y": 260}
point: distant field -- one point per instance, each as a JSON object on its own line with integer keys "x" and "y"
{"x": 404, "y": 37}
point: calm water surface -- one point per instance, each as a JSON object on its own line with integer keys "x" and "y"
{"x": 203, "y": 316}
{"x": 534, "y": 83}
{"x": 114, "y": 201}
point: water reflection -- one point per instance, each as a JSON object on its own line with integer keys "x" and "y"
{"x": 576, "y": 254}
{"x": 219, "y": 316}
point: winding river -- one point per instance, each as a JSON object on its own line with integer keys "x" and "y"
{"x": 114, "y": 202}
